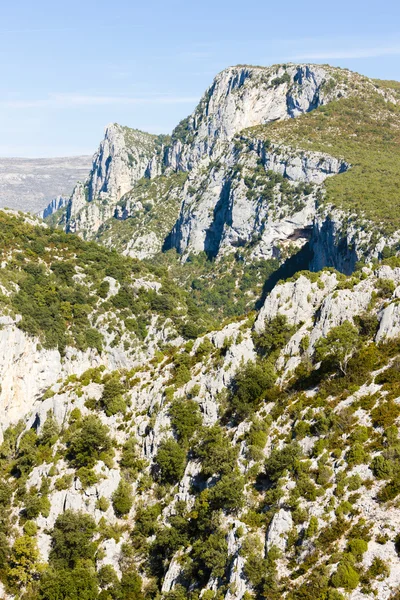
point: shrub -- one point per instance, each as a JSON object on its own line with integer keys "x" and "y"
{"x": 102, "y": 504}
{"x": 378, "y": 569}
{"x": 357, "y": 548}
{"x": 345, "y": 576}
{"x": 112, "y": 401}
{"x": 71, "y": 539}
{"x": 122, "y": 499}
{"x": 227, "y": 494}
{"x": 281, "y": 460}
{"x": 130, "y": 461}
{"x": 215, "y": 452}
{"x": 356, "y": 455}
{"x": 89, "y": 442}
{"x": 312, "y": 528}
{"x": 338, "y": 346}
{"x": 276, "y": 334}
{"x": 185, "y": 418}
{"x": 210, "y": 556}
{"x": 87, "y": 477}
{"x": 63, "y": 482}
{"x": 171, "y": 461}
{"x": 23, "y": 561}
{"x": 249, "y": 386}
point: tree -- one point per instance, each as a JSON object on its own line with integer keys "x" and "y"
{"x": 112, "y": 400}
{"x": 185, "y": 418}
{"x": 171, "y": 461}
{"x": 71, "y": 539}
{"x": 211, "y": 556}
{"x": 249, "y": 387}
{"x": 215, "y": 452}
{"x": 338, "y": 346}
{"x": 345, "y": 576}
{"x": 227, "y": 493}
{"x": 122, "y": 498}
{"x": 79, "y": 583}
{"x": 89, "y": 442}
{"x": 23, "y": 561}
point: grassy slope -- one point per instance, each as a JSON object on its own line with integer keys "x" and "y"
{"x": 365, "y": 130}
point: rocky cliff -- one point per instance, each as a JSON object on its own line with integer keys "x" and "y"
{"x": 248, "y": 183}
{"x": 221, "y": 421}
{"x": 257, "y": 459}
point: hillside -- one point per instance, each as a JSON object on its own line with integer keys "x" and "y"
{"x": 200, "y": 366}
{"x": 29, "y": 184}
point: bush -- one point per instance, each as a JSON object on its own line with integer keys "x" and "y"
{"x": 227, "y": 493}
{"x": 171, "y": 461}
{"x": 210, "y": 556}
{"x": 215, "y": 452}
{"x": 345, "y": 576}
{"x": 249, "y": 387}
{"x": 130, "y": 461}
{"x": 281, "y": 460}
{"x": 71, "y": 539}
{"x": 356, "y": 455}
{"x": 357, "y": 548}
{"x": 378, "y": 569}
{"x": 338, "y": 346}
{"x": 122, "y": 499}
{"x": 23, "y": 561}
{"x": 112, "y": 401}
{"x": 89, "y": 442}
{"x": 276, "y": 334}
{"x": 102, "y": 504}
{"x": 185, "y": 418}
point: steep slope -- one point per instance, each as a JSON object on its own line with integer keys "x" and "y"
{"x": 124, "y": 156}
{"x": 238, "y": 98}
{"x": 262, "y": 181}
{"x": 260, "y": 460}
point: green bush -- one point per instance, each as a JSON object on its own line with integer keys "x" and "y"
{"x": 71, "y": 539}
{"x": 185, "y": 418}
{"x": 112, "y": 401}
{"x": 345, "y": 576}
{"x": 227, "y": 493}
{"x": 357, "y": 548}
{"x": 249, "y": 387}
{"x": 171, "y": 461}
{"x": 122, "y": 499}
{"x": 215, "y": 452}
{"x": 338, "y": 346}
{"x": 281, "y": 460}
{"x": 89, "y": 442}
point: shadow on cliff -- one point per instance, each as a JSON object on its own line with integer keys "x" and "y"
{"x": 298, "y": 262}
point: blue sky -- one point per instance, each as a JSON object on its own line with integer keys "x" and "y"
{"x": 69, "y": 68}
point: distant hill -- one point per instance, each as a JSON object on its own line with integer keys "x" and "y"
{"x": 29, "y": 184}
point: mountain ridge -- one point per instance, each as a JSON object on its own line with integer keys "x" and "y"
{"x": 202, "y": 399}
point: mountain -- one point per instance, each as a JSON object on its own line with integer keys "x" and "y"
{"x": 29, "y": 184}
{"x": 206, "y": 403}
{"x": 253, "y": 128}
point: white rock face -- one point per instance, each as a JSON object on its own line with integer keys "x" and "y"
{"x": 242, "y": 97}
{"x": 172, "y": 575}
{"x": 280, "y": 526}
{"x": 219, "y": 217}
{"x": 122, "y": 159}
{"x": 124, "y": 156}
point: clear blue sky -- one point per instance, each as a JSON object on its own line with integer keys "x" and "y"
{"x": 69, "y": 68}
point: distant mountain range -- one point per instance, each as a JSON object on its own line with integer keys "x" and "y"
{"x": 29, "y": 184}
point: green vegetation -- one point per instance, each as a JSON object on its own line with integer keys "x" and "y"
{"x": 364, "y": 130}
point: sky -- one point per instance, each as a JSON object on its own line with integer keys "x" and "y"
{"x": 68, "y": 68}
